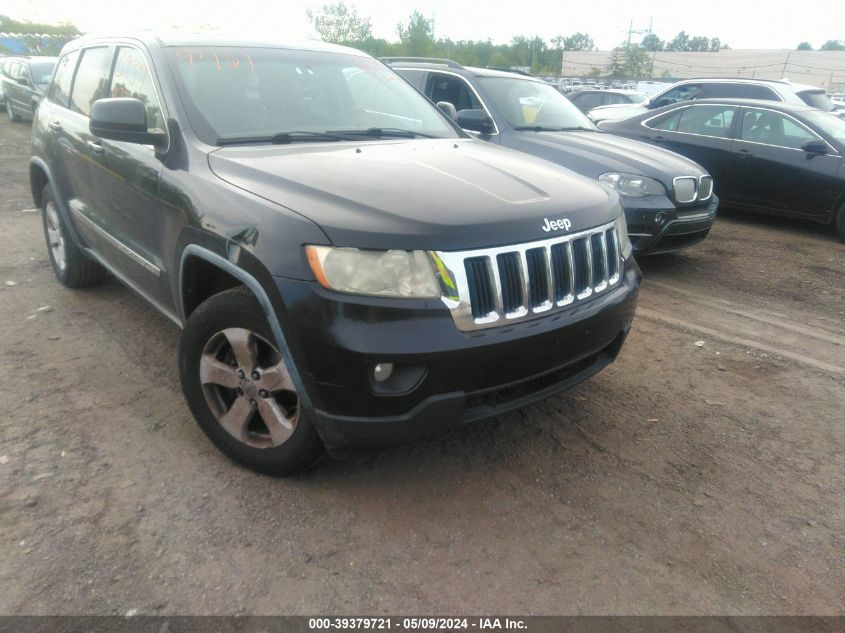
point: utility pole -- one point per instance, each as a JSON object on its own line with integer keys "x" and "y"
{"x": 783, "y": 72}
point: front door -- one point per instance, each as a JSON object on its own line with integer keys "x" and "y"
{"x": 775, "y": 171}
{"x": 127, "y": 177}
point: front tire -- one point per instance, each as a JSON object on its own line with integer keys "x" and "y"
{"x": 239, "y": 387}
{"x": 71, "y": 266}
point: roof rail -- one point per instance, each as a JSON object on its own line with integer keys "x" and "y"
{"x": 423, "y": 60}
{"x": 510, "y": 70}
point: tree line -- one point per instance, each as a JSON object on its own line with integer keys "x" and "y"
{"x": 33, "y": 42}
{"x": 342, "y": 24}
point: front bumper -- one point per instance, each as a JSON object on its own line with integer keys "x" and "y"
{"x": 443, "y": 377}
{"x": 660, "y": 227}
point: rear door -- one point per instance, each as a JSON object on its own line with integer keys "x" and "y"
{"x": 73, "y": 143}
{"x": 776, "y": 174}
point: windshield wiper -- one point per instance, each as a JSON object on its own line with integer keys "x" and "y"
{"x": 383, "y": 132}
{"x": 283, "y": 138}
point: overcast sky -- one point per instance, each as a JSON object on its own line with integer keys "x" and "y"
{"x": 758, "y": 24}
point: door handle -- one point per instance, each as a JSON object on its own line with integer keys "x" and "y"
{"x": 658, "y": 139}
{"x": 744, "y": 153}
{"x": 95, "y": 147}
{"x": 55, "y": 125}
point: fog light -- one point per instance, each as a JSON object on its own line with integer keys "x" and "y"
{"x": 383, "y": 371}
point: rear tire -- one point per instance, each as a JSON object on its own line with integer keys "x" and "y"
{"x": 13, "y": 117}
{"x": 239, "y": 388}
{"x": 839, "y": 223}
{"x": 71, "y": 265}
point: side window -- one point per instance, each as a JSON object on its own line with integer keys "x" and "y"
{"x": 132, "y": 78}
{"x": 773, "y": 128}
{"x": 613, "y": 99}
{"x": 413, "y": 76}
{"x": 722, "y": 91}
{"x": 760, "y": 92}
{"x": 60, "y": 88}
{"x": 589, "y": 101}
{"x": 92, "y": 78}
{"x": 452, "y": 89}
{"x": 668, "y": 122}
{"x": 685, "y": 92}
{"x": 702, "y": 120}
{"x": 14, "y": 69}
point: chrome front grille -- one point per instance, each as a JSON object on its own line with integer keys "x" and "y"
{"x": 497, "y": 286}
{"x": 689, "y": 188}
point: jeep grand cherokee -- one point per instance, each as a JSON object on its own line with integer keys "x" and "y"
{"x": 348, "y": 267}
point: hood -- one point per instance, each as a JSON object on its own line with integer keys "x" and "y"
{"x": 441, "y": 194}
{"x": 594, "y": 153}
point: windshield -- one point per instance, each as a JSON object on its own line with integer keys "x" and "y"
{"x": 816, "y": 99}
{"x": 830, "y": 124}
{"x": 41, "y": 72}
{"x": 526, "y": 103}
{"x": 269, "y": 93}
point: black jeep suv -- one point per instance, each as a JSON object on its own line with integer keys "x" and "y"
{"x": 349, "y": 267}
{"x": 669, "y": 199}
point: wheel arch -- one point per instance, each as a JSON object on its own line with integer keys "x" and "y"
{"x": 38, "y": 179}
{"x": 199, "y": 260}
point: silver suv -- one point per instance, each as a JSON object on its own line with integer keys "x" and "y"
{"x": 713, "y": 88}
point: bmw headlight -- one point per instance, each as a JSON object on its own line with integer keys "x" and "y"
{"x": 379, "y": 273}
{"x": 632, "y": 185}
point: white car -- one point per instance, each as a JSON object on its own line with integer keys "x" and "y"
{"x": 768, "y": 90}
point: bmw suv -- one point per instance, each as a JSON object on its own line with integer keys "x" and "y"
{"x": 669, "y": 200}
{"x": 348, "y": 267}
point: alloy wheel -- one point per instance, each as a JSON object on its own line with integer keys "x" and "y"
{"x": 248, "y": 388}
{"x": 55, "y": 236}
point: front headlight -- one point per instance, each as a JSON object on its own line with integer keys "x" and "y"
{"x": 621, "y": 226}
{"x": 632, "y": 185}
{"x": 380, "y": 273}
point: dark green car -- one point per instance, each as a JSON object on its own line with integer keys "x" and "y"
{"x": 24, "y": 80}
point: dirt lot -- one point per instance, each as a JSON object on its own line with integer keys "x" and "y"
{"x": 682, "y": 480}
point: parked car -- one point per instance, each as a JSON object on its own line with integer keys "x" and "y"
{"x": 2, "y": 71}
{"x": 669, "y": 200}
{"x": 586, "y": 100}
{"x": 347, "y": 265}
{"x": 24, "y": 80}
{"x": 714, "y": 88}
{"x": 768, "y": 157}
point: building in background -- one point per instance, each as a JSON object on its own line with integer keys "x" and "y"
{"x": 825, "y": 69}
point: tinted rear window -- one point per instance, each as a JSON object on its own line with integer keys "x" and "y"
{"x": 40, "y": 72}
{"x": 761, "y": 92}
{"x": 816, "y": 99}
{"x": 92, "y": 78}
{"x": 60, "y": 89}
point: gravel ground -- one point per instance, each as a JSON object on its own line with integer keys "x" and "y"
{"x": 684, "y": 479}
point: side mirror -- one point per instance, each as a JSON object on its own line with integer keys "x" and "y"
{"x": 122, "y": 119}
{"x": 23, "y": 81}
{"x": 448, "y": 109}
{"x": 475, "y": 120}
{"x": 815, "y": 147}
